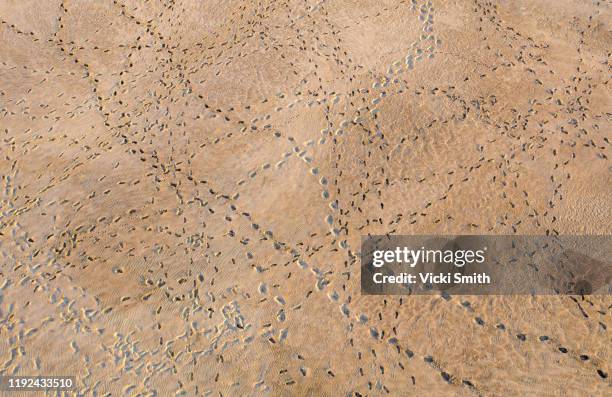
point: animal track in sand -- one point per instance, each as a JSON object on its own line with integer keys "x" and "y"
{"x": 184, "y": 186}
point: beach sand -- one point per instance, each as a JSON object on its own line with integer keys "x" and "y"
{"x": 184, "y": 187}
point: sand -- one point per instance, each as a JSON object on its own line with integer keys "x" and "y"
{"x": 159, "y": 234}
